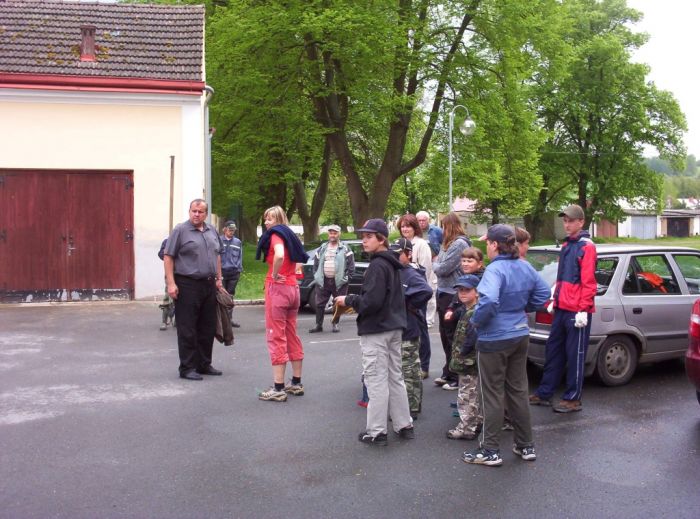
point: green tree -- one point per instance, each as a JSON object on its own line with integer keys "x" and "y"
{"x": 373, "y": 80}
{"x": 600, "y": 115}
{"x": 268, "y": 149}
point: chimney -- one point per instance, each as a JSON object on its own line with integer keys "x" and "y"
{"x": 87, "y": 42}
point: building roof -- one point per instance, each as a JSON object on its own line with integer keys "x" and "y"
{"x": 160, "y": 42}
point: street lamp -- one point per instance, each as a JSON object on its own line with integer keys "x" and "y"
{"x": 466, "y": 128}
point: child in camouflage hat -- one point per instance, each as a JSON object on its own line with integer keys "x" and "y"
{"x": 463, "y": 361}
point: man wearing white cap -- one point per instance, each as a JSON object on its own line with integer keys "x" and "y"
{"x": 334, "y": 265}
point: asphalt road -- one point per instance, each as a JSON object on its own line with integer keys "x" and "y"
{"x": 95, "y": 423}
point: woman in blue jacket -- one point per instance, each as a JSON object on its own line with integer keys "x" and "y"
{"x": 508, "y": 289}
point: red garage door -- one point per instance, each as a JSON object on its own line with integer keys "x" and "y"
{"x": 66, "y": 235}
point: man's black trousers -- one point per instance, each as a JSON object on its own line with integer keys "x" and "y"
{"x": 195, "y": 314}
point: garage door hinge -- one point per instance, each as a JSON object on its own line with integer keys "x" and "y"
{"x": 128, "y": 184}
{"x": 3, "y": 235}
{"x": 2, "y": 180}
{"x": 128, "y": 236}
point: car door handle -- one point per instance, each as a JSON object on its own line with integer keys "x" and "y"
{"x": 636, "y": 310}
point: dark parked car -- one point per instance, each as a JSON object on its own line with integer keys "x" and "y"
{"x": 645, "y": 295}
{"x": 692, "y": 355}
{"x": 307, "y": 287}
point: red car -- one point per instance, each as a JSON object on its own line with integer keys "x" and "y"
{"x": 692, "y": 356}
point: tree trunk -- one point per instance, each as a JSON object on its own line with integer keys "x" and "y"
{"x": 310, "y": 217}
{"x": 495, "y": 215}
{"x": 247, "y": 229}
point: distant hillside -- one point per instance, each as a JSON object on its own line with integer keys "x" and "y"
{"x": 692, "y": 165}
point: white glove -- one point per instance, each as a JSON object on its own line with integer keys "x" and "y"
{"x": 550, "y": 306}
{"x": 581, "y": 320}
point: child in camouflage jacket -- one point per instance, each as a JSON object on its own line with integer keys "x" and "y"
{"x": 463, "y": 362}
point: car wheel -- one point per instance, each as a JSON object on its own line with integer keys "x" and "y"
{"x": 311, "y": 300}
{"x": 617, "y": 360}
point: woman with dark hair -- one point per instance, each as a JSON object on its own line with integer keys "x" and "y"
{"x": 447, "y": 269}
{"x": 422, "y": 255}
{"x": 282, "y": 250}
{"x": 508, "y": 289}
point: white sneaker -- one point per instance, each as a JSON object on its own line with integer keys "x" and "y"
{"x": 272, "y": 395}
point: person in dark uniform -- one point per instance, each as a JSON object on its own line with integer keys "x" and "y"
{"x": 231, "y": 261}
{"x": 193, "y": 275}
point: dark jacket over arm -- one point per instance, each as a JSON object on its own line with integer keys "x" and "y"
{"x": 417, "y": 292}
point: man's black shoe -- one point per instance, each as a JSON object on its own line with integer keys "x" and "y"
{"x": 209, "y": 370}
{"x": 380, "y": 439}
{"x": 235, "y": 325}
{"x": 191, "y": 375}
{"x": 316, "y": 329}
{"x": 407, "y": 433}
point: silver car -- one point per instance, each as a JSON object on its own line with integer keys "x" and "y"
{"x": 643, "y": 303}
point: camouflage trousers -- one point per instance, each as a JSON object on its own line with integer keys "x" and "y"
{"x": 469, "y": 404}
{"x": 410, "y": 364}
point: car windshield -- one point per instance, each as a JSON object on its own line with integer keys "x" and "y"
{"x": 547, "y": 263}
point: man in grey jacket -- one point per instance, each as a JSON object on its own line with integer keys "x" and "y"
{"x": 334, "y": 265}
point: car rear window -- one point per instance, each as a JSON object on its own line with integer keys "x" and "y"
{"x": 650, "y": 274}
{"x": 547, "y": 263}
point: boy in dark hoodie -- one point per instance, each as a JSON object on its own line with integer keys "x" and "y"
{"x": 381, "y": 320}
{"x": 417, "y": 292}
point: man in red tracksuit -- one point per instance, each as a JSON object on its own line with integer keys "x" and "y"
{"x": 573, "y": 303}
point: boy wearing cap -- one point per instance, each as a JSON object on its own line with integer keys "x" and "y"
{"x": 573, "y": 303}
{"x": 231, "y": 261}
{"x": 381, "y": 319}
{"x": 508, "y": 290}
{"x": 463, "y": 361}
{"x": 334, "y": 265}
{"x": 417, "y": 293}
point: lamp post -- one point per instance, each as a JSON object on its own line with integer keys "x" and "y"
{"x": 466, "y": 128}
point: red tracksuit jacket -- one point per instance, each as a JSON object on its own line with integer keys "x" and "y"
{"x": 576, "y": 284}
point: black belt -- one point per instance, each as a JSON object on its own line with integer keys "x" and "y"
{"x": 208, "y": 279}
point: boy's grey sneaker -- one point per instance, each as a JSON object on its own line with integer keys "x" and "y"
{"x": 272, "y": 395}
{"x": 526, "y": 453}
{"x": 294, "y": 389}
{"x": 482, "y": 457}
{"x": 379, "y": 439}
{"x": 451, "y": 386}
{"x": 458, "y": 434}
{"x": 407, "y": 433}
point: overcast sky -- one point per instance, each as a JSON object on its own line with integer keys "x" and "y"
{"x": 673, "y": 29}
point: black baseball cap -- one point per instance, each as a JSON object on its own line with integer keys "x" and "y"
{"x": 376, "y": 225}
{"x": 401, "y": 245}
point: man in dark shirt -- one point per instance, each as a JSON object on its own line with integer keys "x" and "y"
{"x": 193, "y": 275}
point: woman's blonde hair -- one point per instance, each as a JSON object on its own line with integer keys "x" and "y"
{"x": 451, "y": 229}
{"x": 277, "y": 213}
